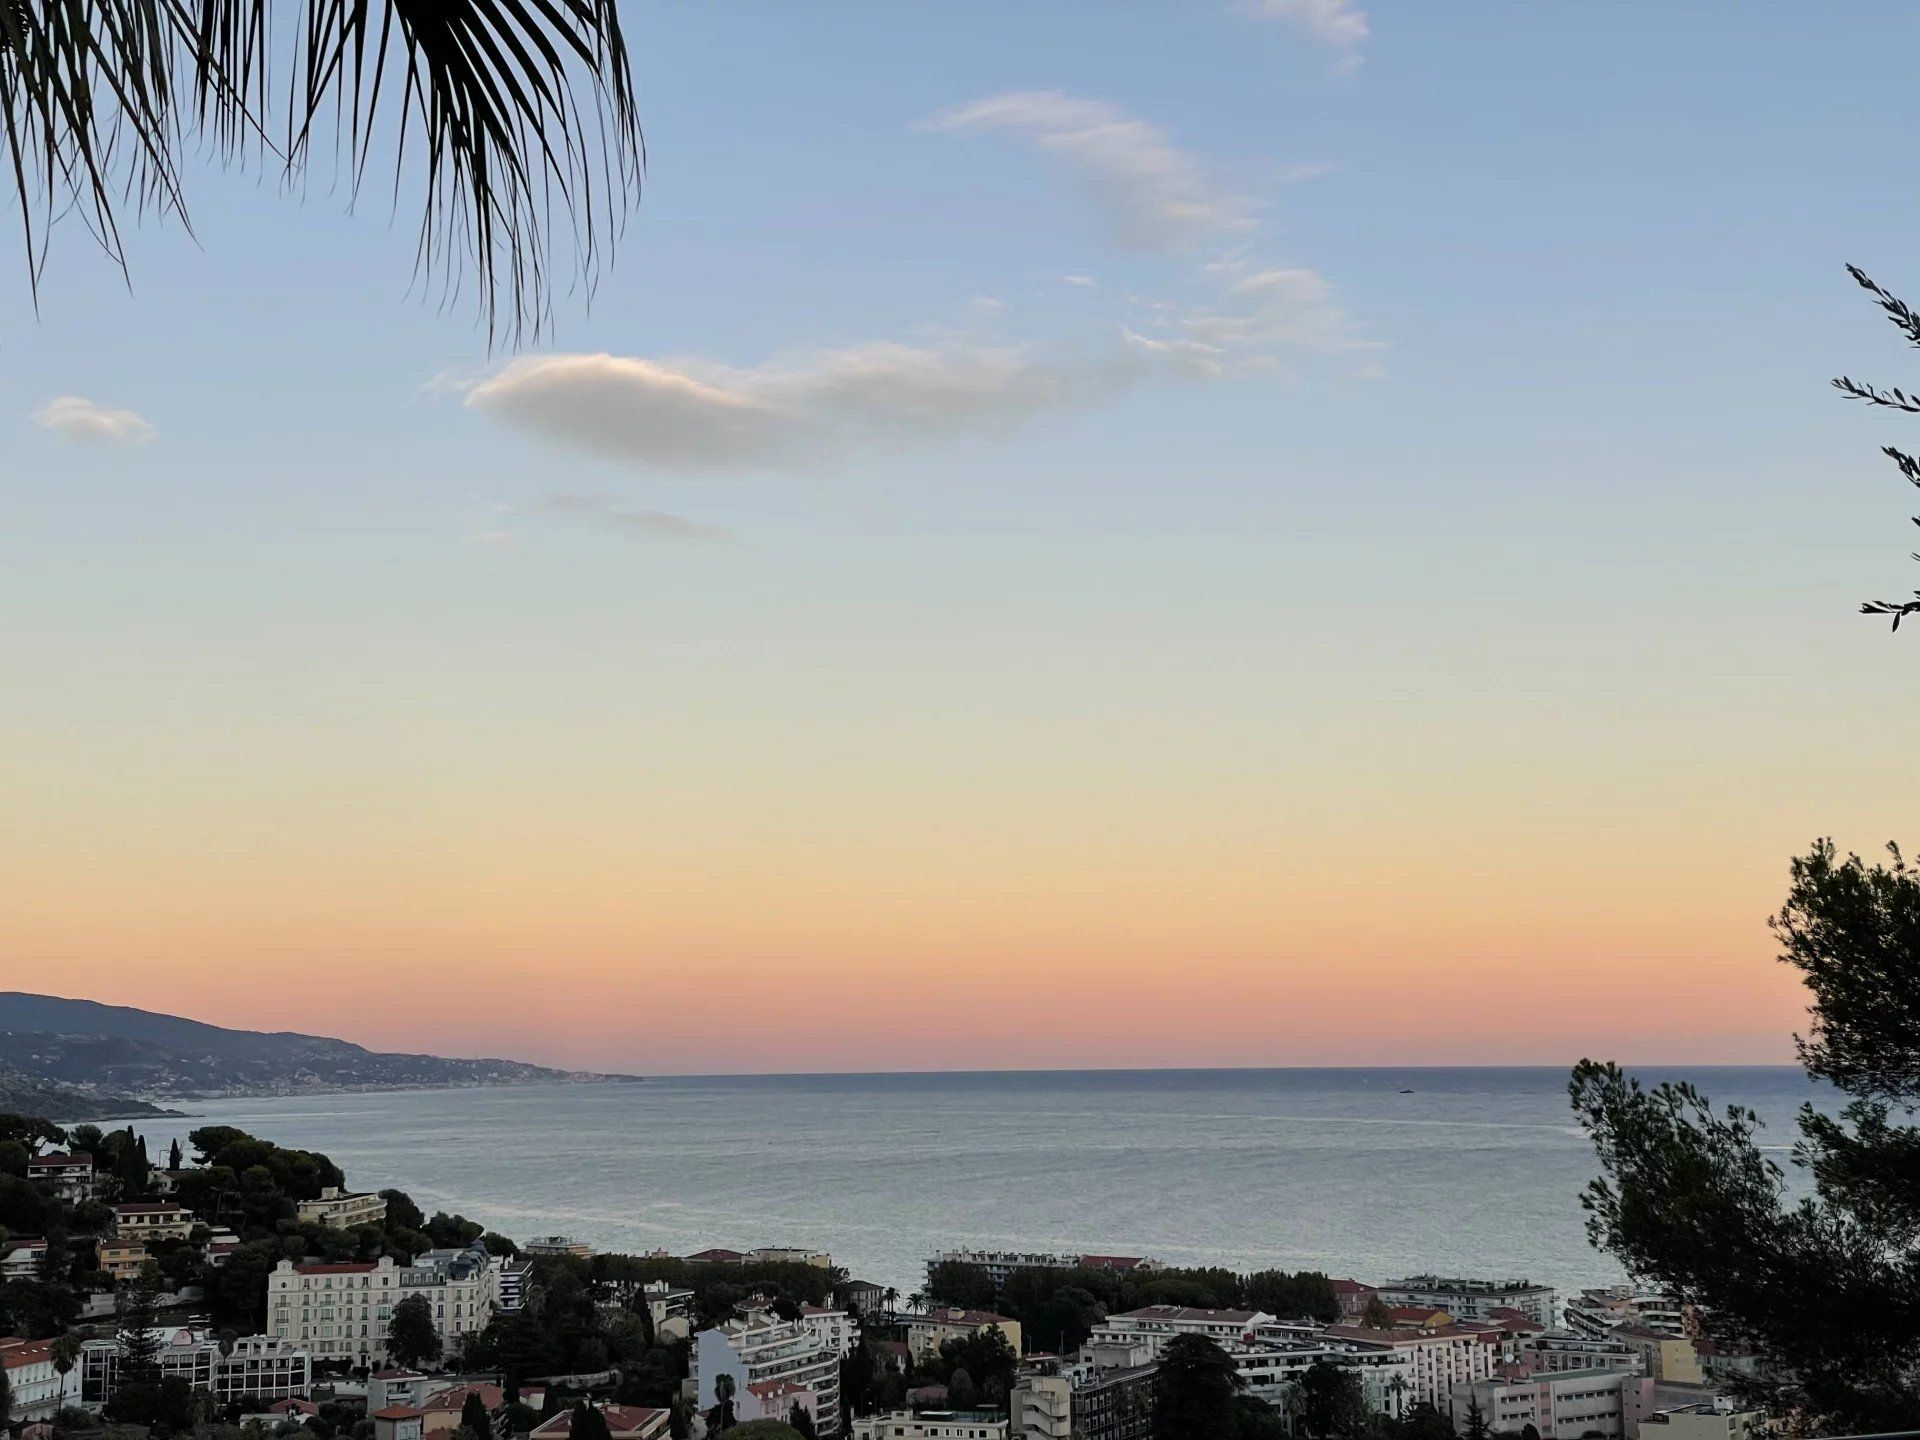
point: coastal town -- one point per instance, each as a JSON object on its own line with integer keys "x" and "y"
{"x": 247, "y": 1290}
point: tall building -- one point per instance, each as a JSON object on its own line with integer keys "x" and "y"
{"x": 36, "y": 1389}
{"x": 1156, "y": 1324}
{"x": 262, "y": 1366}
{"x": 1466, "y": 1299}
{"x": 759, "y": 1347}
{"x": 1440, "y": 1357}
{"x": 1041, "y": 1408}
{"x": 1560, "y": 1405}
{"x": 1600, "y": 1312}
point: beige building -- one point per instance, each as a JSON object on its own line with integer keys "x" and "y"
{"x": 122, "y": 1259}
{"x": 927, "y": 1333}
{"x": 342, "y": 1210}
{"x": 1670, "y": 1359}
{"x": 1559, "y": 1404}
{"x": 1703, "y": 1422}
{"x": 341, "y": 1311}
{"x": 152, "y": 1220}
{"x": 932, "y": 1425}
{"x": 1440, "y": 1358}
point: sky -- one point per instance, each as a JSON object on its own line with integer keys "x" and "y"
{"x": 1292, "y": 532}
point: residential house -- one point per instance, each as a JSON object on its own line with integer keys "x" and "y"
{"x": 22, "y": 1259}
{"x": 864, "y": 1296}
{"x": 789, "y": 1255}
{"x": 121, "y": 1259}
{"x": 398, "y": 1422}
{"x": 70, "y": 1176}
{"x": 927, "y": 1333}
{"x": 716, "y": 1256}
{"x": 1352, "y": 1298}
{"x": 339, "y": 1209}
{"x": 443, "y": 1409}
{"x": 670, "y": 1307}
{"x": 151, "y": 1220}
{"x": 1157, "y": 1324}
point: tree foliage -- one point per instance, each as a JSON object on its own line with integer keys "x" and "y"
{"x": 1194, "y": 1390}
{"x": 412, "y": 1338}
{"x": 1823, "y": 1285}
{"x": 506, "y": 116}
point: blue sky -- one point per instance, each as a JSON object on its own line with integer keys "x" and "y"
{"x": 1410, "y": 417}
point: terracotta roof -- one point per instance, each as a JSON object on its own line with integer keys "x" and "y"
{"x": 954, "y": 1315}
{"x": 775, "y": 1389}
{"x": 1401, "y": 1333}
{"x": 336, "y": 1267}
{"x": 397, "y": 1412}
{"x": 1112, "y": 1262}
{"x": 716, "y": 1254}
{"x": 1188, "y": 1312}
{"x": 58, "y": 1157}
{"x": 491, "y": 1396}
{"x": 293, "y": 1405}
{"x": 1351, "y": 1287}
{"x": 16, "y": 1352}
{"x": 621, "y": 1420}
{"x": 150, "y": 1207}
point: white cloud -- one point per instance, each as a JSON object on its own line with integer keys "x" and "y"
{"x": 1340, "y": 25}
{"x": 82, "y": 420}
{"x": 695, "y": 415}
{"x": 1155, "y": 195}
{"x": 633, "y": 520}
{"x": 1085, "y": 282}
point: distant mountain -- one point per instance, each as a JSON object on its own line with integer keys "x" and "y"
{"x": 114, "y": 1050}
{"x": 51, "y": 1100}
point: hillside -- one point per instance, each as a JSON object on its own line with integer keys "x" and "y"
{"x": 51, "y": 1100}
{"x": 115, "y": 1050}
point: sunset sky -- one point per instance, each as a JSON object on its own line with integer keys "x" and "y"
{"x": 1285, "y": 532}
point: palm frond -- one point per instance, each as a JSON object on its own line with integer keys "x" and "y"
{"x": 515, "y": 119}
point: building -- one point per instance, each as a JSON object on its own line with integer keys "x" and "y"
{"x": 759, "y": 1346}
{"x": 1560, "y": 1405}
{"x": 511, "y": 1278}
{"x": 1597, "y": 1312}
{"x": 1271, "y": 1369}
{"x": 1001, "y": 1264}
{"x": 259, "y": 1366}
{"x": 341, "y": 1310}
{"x": 70, "y": 1176}
{"x": 1711, "y": 1420}
{"x": 832, "y": 1328}
{"x": 398, "y": 1422}
{"x": 1041, "y": 1408}
{"x": 932, "y": 1425}
{"x": 716, "y": 1256}
{"x": 394, "y": 1386}
{"x": 1466, "y": 1299}
{"x": 789, "y": 1255}
{"x": 1113, "y": 1403}
{"x": 1157, "y": 1324}
{"x": 558, "y": 1245}
{"x": 339, "y": 1209}
{"x": 927, "y": 1333}
{"x": 35, "y": 1387}
{"x": 1352, "y": 1297}
{"x": 122, "y": 1259}
{"x": 1670, "y": 1359}
{"x": 624, "y": 1422}
{"x": 443, "y": 1409}
{"x": 1439, "y": 1358}
{"x": 1563, "y": 1350}
{"x": 152, "y": 1220}
{"x": 23, "y": 1259}
{"x": 670, "y": 1307}
{"x": 864, "y": 1296}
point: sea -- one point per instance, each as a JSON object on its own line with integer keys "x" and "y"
{"x": 1370, "y": 1173}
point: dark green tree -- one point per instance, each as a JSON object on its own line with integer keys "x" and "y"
{"x": 173, "y": 1154}
{"x": 764, "y": 1430}
{"x": 1823, "y": 1286}
{"x": 137, "y": 1335}
{"x": 1425, "y": 1422}
{"x": 473, "y": 1416}
{"x": 1476, "y": 1427}
{"x": 721, "y": 1416}
{"x": 1333, "y": 1406}
{"x": 589, "y": 1423}
{"x": 412, "y": 1338}
{"x": 1194, "y": 1390}
{"x": 801, "y": 1419}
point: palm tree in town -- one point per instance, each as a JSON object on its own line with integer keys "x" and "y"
{"x": 65, "y": 1355}
{"x": 916, "y": 1302}
{"x": 514, "y": 120}
{"x": 890, "y": 1297}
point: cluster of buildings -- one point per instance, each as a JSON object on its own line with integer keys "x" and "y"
{"x": 340, "y": 1310}
{"x": 1606, "y": 1366}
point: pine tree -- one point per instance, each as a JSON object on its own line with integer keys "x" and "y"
{"x": 588, "y": 1424}
{"x": 138, "y": 1335}
{"x": 1476, "y": 1420}
{"x": 474, "y": 1417}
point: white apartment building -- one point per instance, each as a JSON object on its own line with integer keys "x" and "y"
{"x": 557, "y": 1245}
{"x": 758, "y": 1347}
{"x": 1441, "y": 1358}
{"x": 1564, "y": 1350}
{"x": 152, "y": 1220}
{"x": 789, "y": 1255}
{"x": 342, "y": 1209}
{"x": 260, "y": 1366}
{"x": 1271, "y": 1368}
{"x": 932, "y": 1425}
{"x": 1596, "y": 1313}
{"x": 22, "y": 1258}
{"x": 511, "y": 1278}
{"x": 37, "y": 1388}
{"x": 833, "y": 1329}
{"x": 1562, "y": 1405}
{"x": 1467, "y": 1299}
{"x": 341, "y": 1310}
{"x": 1041, "y": 1408}
{"x": 1157, "y": 1324}
{"x": 68, "y": 1176}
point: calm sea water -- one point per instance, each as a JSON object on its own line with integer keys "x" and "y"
{"x": 1477, "y": 1171}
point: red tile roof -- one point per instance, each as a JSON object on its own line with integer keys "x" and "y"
{"x": 727, "y": 1256}
{"x": 953, "y": 1315}
{"x": 621, "y": 1420}
{"x": 776, "y": 1389}
{"x": 1352, "y": 1287}
{"x": 491, "y": 1396}
{"x": 397, "y": 1412}
{"x": 16, "y": 1353}
{"x": 1112, "y": 1262}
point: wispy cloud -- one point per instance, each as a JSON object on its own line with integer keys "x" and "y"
{"x": 635, "y": 521}
{"x": 1154, "y": 195}
{"x": 697, "y": 415}
{"x": 80, "y": 419}
{"x": 1341, "y": 25}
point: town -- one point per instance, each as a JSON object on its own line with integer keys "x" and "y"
{"x": 245, "y": 1290}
